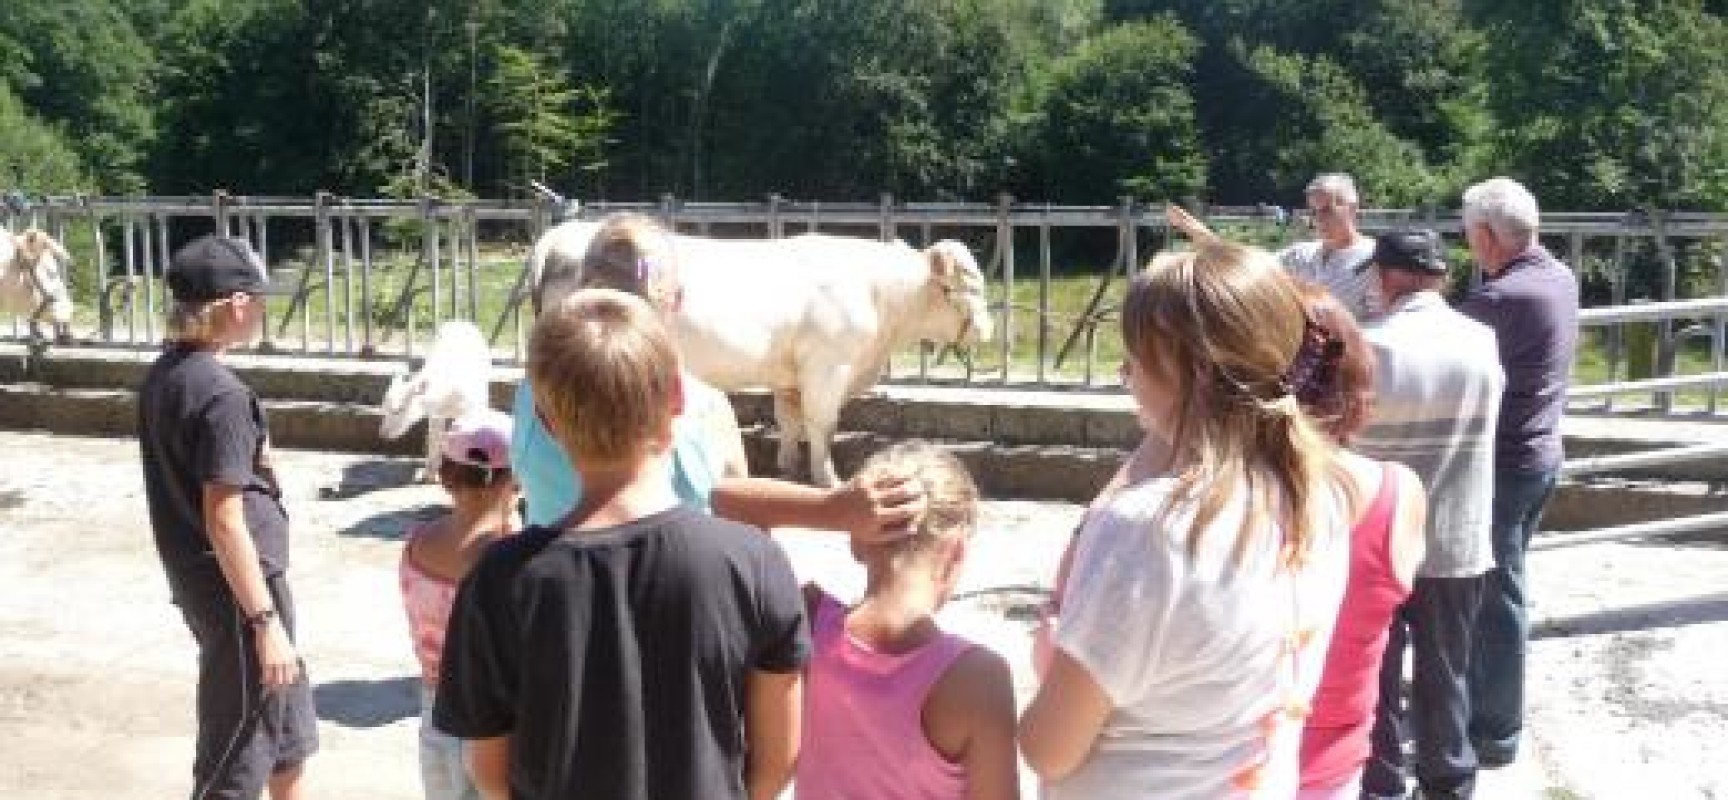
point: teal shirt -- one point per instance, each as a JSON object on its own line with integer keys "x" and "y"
{"x": 552, "y": 487}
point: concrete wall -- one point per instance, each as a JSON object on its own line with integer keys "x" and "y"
{"x": 1050, "y": 445}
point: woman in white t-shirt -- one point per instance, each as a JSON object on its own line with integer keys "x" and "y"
{"x": 1201, "y": 597}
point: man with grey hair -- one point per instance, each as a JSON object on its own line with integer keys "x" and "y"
{"x": 1530, "y": 299}
{"x": 1434, "y": 412}
{"x": 1333, "y": 260}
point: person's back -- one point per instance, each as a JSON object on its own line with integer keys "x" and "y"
{"x": 896, "y": 708}
{"x": 631, "y": 648}
{"x": 643, "y": 649}
{"x": 1435, "y": 412}
{"x": 1216, "y": 665}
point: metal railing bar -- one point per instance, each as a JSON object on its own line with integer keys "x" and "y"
{"x": 1713, "y": 523}
{"x": 1672, "y": 455}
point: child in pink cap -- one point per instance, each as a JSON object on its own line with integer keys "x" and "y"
{"x": 475, "y": 472}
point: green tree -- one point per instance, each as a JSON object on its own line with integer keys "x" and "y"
{"x": 80, "y": 64}
{"x": 1119, "y": 119}
{"x": 1611, "y": 103}
{"x": 35, "y": 156}
{"x": 543, "y": 123}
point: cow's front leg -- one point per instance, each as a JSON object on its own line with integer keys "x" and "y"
{"x": 789, "y": 416}
{"x": 435, "y": 426}
{"x": 824, "y": 394}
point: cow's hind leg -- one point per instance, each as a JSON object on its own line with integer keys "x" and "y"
{"x": 789, "y": 416}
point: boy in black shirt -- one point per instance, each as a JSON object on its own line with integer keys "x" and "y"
{"x": 221, "y": 531}
{"x": 638, "y": 648}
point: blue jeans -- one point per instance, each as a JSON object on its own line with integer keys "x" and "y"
{"x": 1436, "y": 625}
{"x": 1503, "y": 621}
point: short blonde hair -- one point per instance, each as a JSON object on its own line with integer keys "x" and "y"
{"x": 950, "y": 494}
{"x": 633, "y": 253}
{"x": 605, "y": 376}
{"x": 190, "y": 321}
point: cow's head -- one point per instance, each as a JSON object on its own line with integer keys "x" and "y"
{"x": 404, "y": 404}
{"x": 958, "y": 305}
{"x": 45, "y": 263}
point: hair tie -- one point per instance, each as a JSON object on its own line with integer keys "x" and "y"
{"x": 1315, "y": 362}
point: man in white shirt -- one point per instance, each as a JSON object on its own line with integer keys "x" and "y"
{"x": 1438, "y": 384}
{"x": 1335, "y": 259}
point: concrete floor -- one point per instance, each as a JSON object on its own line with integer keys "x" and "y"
{"x": 96, "y": 668}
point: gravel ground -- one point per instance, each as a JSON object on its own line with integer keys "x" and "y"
{"x": 96, "y": 669}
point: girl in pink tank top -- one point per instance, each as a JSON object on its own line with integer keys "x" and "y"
{"x": 475, "y": 470}
{"x": 895, "y": 708}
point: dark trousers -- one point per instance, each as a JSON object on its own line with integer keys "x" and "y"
{"x": 1503, "y": 622}
{"x": 1435, "y": 623}
{"x": 244, "y": 733}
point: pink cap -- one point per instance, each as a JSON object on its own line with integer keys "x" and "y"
{"x": 481, "y": 439}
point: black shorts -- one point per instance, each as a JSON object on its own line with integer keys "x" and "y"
{"x": 244, "y": 733}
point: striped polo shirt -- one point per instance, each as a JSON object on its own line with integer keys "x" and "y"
{"x": 1438, "y": 384}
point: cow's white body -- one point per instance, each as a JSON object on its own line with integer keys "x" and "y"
{"x": 812, "y": 317}
{"x": 454, "y": 381}
{"x": 32, "y": 281}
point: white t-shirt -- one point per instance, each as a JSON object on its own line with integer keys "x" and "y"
{"x": 1193, "y": 652}
{"x": 1340, "y": 271}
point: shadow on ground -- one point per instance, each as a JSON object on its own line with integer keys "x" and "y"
{"x": 362, "y": 477}
{"x": 1670, "y": 614}
{"x": 392, "y": 525}
{"x": 367, "y": 703}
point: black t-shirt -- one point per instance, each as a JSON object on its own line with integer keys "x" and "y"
{"x": 198, "y": 424}
{"x": 616, "y": 659}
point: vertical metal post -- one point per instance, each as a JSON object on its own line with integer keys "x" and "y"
{"x": 472, "y": 240}
{"x": 1719, "y": 333}
{"x": 1005, "y": 249}
{"x": 153, "y": 274}
{"x": 1667, "y": 348}
{"x": 101, "y": 278}
{"x": 345, "y": 224}
{"x": 1044, "y": 296}
{"x": 128, "y": 255}
{"x": 327, "y": 256}
{"x": 370, "y": 346}
{"x": 775, "y": 231}
{"x": 258, "y": 226}
{"x": 1617, "y": 333}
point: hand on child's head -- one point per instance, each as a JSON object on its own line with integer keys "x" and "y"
{"x": 882, "y": 506}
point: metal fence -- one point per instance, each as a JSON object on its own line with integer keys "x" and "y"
{"x": 373, "y": 278}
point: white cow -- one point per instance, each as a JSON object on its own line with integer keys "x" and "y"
{"x": 815, "y": 317}
{"x": 32, "y": 281}
{"x": 454, "y": 380}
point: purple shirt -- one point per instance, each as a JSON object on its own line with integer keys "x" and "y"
{"x": 1532, "y": 305}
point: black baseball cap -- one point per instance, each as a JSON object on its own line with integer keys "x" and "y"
{"x": 212, "y": 267}
{"x": 1414, "y": 250}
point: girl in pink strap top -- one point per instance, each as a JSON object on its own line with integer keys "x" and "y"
{"x": 1386, "y": 544}
{"x": 475, "y": 471}
{"x": 895, "y": 708}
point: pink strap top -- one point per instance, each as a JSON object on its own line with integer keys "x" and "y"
{"x": 864, "y": 718}
{"x": 427, "y": 599}
{"x": 1335, "y": 741}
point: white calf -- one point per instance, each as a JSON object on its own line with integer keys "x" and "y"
{"x": 454, "y": 380}
{"x": 815, "y": 317}
{"x": 32, "y": 281}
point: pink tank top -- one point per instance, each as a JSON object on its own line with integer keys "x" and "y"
{"x": 1335, "y": 741}
{"x": 864, "y": 718}
{"x": 427, "y": 599}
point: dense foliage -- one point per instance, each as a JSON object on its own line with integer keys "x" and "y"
{"x": 1600, "y": 104}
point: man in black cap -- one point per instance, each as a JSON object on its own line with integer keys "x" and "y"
{"x": 221, "y": 529}
{"x": 1438, "y": 383}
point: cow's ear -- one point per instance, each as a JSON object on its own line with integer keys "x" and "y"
{"x": 943, "y": 265}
